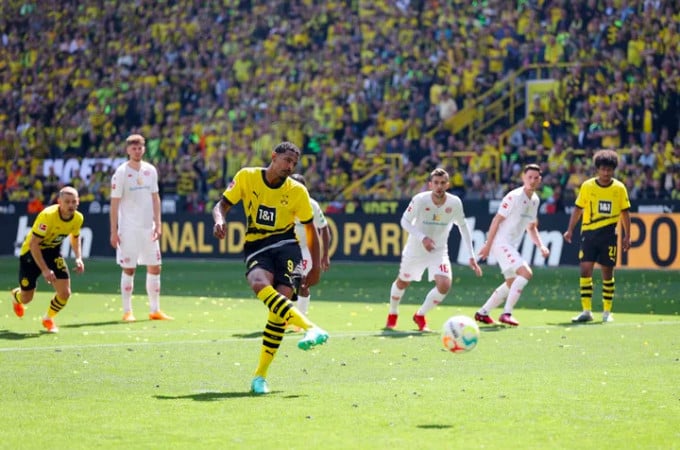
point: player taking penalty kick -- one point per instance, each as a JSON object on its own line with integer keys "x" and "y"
{"x": 271, "y": 202}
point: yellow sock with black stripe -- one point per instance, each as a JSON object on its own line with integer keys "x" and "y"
{"x": 271, "y": 341}
{"x": 279, "y": 305}
{"x": 56, "y": 305}
{"x": 16, "y": 293}
{"x": 607, "y": 294}
{"x": 586, "y": 288}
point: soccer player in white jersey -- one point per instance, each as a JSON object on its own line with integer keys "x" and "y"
{"x": 516, "y": 214}
{"x": 135, "y": 220}
{"x": 321, "y": 225}
{"x": 428, "y": 220}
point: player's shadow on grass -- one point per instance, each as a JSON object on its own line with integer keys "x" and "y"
{"x": 14, "y": 336}
{"x": 92, "y": 324}
{"x": 434, "y": 426}
{"x": 255, "y": 334}
{"x": 493, "y": 328}
{"x": 215, "y": 396}
{"x": 397, "y": 334}
{"x": 572, "y": 324}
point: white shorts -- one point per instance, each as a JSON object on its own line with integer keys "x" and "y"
{"x": 138, "y": 248}
{"x": 412, "y": 267}
{"x": 509, "y": 259}
{"x": 306, "y": 262}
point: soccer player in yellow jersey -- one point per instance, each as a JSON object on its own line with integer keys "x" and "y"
{"x": 602, "y": 202}
{"x": 40, "y": 254}
{"x": 271, "y": 202}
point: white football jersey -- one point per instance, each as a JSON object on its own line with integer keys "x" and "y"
{"x": 518, "y": 210}
{"x": 319, "y": 222}
{"x": 134, "y": 188}
{"x": 435, "y": 222}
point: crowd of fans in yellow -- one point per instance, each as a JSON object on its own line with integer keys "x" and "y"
{"x": 357, "y": 84}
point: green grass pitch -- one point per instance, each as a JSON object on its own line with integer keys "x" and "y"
{"x": 101, "y": 383}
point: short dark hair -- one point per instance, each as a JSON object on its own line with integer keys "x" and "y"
{"x": 286, "y": 146}
{"x": 606, "y": 158}
{"x": 532, "y": 166}
{"x": 299, "y": 178}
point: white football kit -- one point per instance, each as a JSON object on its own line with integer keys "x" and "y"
{"x": 319, "y": 222}
{"x": 519, "y": 211}
{"x": 135, "y": 215}
{"x": 423, "y": 219}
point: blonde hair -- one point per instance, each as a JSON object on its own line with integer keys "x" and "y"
{"x": 68, "y": 190}
{"x": 438, "y": 172}
{"x": 134, "y": 139}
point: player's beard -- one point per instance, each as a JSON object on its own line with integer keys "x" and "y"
{"x": 283, "y": 174}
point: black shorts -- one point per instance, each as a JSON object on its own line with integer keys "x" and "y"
{"x": 600, "y": 246}
{"x": 29, "y": 270}
{"x": 283, "y": 262}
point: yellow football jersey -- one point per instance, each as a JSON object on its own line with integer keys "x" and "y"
{"x": 270, "y": 210}
{"x": 602, "y": 205}
{"x": 52, "y": 228}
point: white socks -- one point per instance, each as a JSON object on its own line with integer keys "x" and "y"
{"x": 432, "y": 299}
{"x": 515, "y": 292}
{"x": 153, "y": 290}
{"x": 127, "y": 284}
{"x": 395, "y": 297}
{"x": 303, "y": 303}
{"x": 497, "y": 297}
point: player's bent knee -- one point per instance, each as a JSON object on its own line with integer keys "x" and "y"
{"x": 525, "y": 272}
{"x": 64, "y": 295}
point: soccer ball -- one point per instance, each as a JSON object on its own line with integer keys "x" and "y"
{"x": 460, "y": 334}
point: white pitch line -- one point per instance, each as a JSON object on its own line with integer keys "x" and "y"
{"x": 334, "y": 335}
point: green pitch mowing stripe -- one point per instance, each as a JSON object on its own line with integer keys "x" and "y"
{"x": 548, "y": 384}
{"x": 247, "y": 335}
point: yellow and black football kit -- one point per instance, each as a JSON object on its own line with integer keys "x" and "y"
{"x": 271, "y": 244}
{"x": 602, "y": 207}
{"x": 270, "y": 240}
{"x": 52, "y": 229}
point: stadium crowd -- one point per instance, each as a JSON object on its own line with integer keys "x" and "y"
{"x": 213, "y": 86}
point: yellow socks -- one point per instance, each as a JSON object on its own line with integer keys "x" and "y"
{"x": 586, "y": 288}
{"x": 279, "y": 305}
{"x": 271, "y": 341}
{"x": 56, "y": 305}
{"x": 607, "y": 294}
